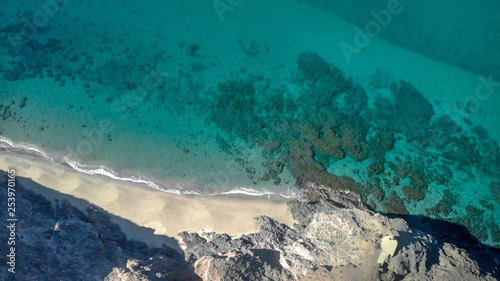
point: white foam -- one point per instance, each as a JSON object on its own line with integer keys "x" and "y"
{"x": 27, "y": 148}
{"x": 165, "y": 185}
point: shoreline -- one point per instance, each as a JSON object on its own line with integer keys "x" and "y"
{"x": 151, "y": 181}
{"x": 165, "y": 213}
{"x": 335, "y": 238}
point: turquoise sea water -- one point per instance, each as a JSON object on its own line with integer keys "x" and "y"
{"x": 258, "y": 97}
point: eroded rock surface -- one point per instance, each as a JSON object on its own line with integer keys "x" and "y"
{"x": 335, "y": 238}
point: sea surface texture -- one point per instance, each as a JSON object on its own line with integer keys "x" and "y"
{"x": 396, "y": 100}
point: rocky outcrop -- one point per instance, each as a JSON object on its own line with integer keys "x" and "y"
{"x": 335, "y": 238}
{"x": 60, "y": 242}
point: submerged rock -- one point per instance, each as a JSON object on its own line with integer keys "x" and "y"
{"x": 403, "y": 169}
{"x": 413, "y": 193}
{"x": 442, "y": 130}
{"x": 394, "y": 205}
{"x": 15, "y": 72}
{"x": 327, "y": 80}
{"x": 495, "y": 191}
{"x": 356, "y": 99}
{"x": 415, "y": 111}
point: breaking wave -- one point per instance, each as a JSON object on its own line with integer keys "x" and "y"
{"x": 180, "y": 187}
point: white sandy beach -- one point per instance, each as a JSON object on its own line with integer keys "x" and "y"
{"x": 137, "y": 205}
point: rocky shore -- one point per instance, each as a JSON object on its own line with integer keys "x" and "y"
{"x": 336, "y": 237}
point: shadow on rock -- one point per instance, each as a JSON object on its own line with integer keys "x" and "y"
{"x": 57, "y": 241}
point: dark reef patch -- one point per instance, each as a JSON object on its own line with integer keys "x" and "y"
{"x": 393, "y": 205}
{"x": 326, "y": 80}
{"x": 413, "y": 193}
{"x": 330, "y": 121}
{"x": 445, "y": 205}
{"x": 495, "y": 191}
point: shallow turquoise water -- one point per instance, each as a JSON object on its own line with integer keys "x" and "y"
{"x": 259, "y": 97}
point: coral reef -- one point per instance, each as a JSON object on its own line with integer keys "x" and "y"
{"x": 330, "y": 121}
